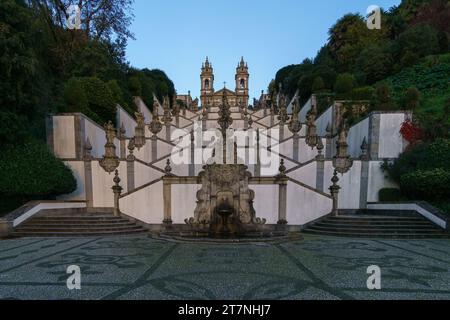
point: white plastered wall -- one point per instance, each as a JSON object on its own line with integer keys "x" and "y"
{"x": 64, "y": 137}
{"x": 305, "y": 205}
{"x": 102, "y": 183}
{"x": 145, "y": 205}
{"x": 183, "y": 201}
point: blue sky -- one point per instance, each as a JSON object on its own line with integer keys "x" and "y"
{"x": 177, "y": 35}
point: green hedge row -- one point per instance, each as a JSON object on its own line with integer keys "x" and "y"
{"x": 31, "y": 170}
{"x": 431, "y": 184}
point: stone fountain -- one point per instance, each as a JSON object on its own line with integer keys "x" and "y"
{"x": 225, "y": 201}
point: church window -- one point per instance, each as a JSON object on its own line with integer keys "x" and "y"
{"x": 242, "y": 83}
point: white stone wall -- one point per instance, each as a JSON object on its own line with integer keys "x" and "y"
{"x": 377, "y": 180}
{"x": 356, "y": 136}
{"x": 97, "y": 137}
{"x": 142, "y": 107}
{"x": 183, "y": 201}
{"x": 266, "y": 202}
{"x": 323, "y": 121}
{"x": 144, "y": 174}
{"x": 305, "y": 205}
{"x": 127, "y": 120}
{"x": 349, "y": 194}
{"x": 306, "y": 174}
{"x": 64, "y": 137}
{"x": 304, "y": 110}
{"x": 391, "y": 141}
{"x": 102, "y": 183}
{"x": 146, "y": 204}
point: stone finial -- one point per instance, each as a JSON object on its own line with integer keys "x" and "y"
{"x": 87, "y": 150}
{"x": 320, "y": 148}
{"x": 155, "y": 125}
{"x": 364, "y": 148}
{"x": 167, "y": 119}
{"x": 116, "y": 179}
{"x": 328, "y": 130}
{"x": 117, "y": 190}
{"x": 131, "y": 147}
{"x": 282, "y": 169}
{"x": 168, "y": 168}
{"x": 311, "y": 131}
{"x": 250, "y": 121}
{"x": 342, "y": 162}
{"x": 282, "y": 114}
{"x": 139, "y": 131}
{"x": 295, "y": 125}
{"x": 122, "y": 131}
{"x": 110, "y": 160}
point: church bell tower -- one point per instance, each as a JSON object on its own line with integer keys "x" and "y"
{"x": 242, "y": 77}
{"x": 207, "y": 83}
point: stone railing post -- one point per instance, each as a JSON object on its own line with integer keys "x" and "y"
{"x": 167, "y": 195}
{"x": 282, "y": 194}
{"x": 130, "y": 166}
{"x": 334, "y": 189}
{"x": 154, "y": 143}
{"x": 192, "y": 155}
{"x": 88, "y": 187}
{"x": 117, "y": 190}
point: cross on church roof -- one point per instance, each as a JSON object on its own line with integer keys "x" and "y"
{"x": 224, "y": 84}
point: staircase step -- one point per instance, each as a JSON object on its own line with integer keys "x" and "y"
{"x": 375, "y": 230}
{"x": 378, "y": 235}
{"x": 77, "y": 223}
{"x": 77, "y": 234}
{"x": 76, "y": 229}
{"x": 383, "y": 226}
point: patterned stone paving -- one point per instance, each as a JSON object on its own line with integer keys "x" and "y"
{"x": 142, "y": 268}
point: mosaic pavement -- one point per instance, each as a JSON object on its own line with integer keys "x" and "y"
{"x": 143, "y": 268}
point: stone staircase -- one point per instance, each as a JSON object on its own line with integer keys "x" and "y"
{"x": 77, "y": 223}
{"x": 377, "y": 226}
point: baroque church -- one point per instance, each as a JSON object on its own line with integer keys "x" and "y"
{"x": 210, "y": 97}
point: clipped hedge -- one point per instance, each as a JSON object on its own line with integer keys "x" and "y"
{"x": 30, "y": 170}
{"x": 433, "y": 184}
{"x": 390, "y": 195}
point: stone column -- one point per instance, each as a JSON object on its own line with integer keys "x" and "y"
{"x": 281, "y": 127}
{"x": 258, "y": 156}
{"x": 320, "y": 174}
{"x": 168, "y": 132}
{"x": 167, "y": 199}
{"x": 192, "y": 156}
{"x": 88, "y": 187}
{"x": 130, "y": 174}
{"x": 364, "y": 184}
{"x": 295, "y": 147}
{"x": 334, "y": 189}
{"x": 282, "y": 202}
{"x": 374, "y": 135}
{"x": 154, "y": 142}
{"x": 117, "y": 190}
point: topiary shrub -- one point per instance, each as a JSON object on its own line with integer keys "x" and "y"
{"x": 30, "y": 170}
{"x": 390, "y": 195}
{"x": 431, "y": 184}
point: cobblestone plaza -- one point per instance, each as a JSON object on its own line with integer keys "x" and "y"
{"x": 139, "y": 267}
